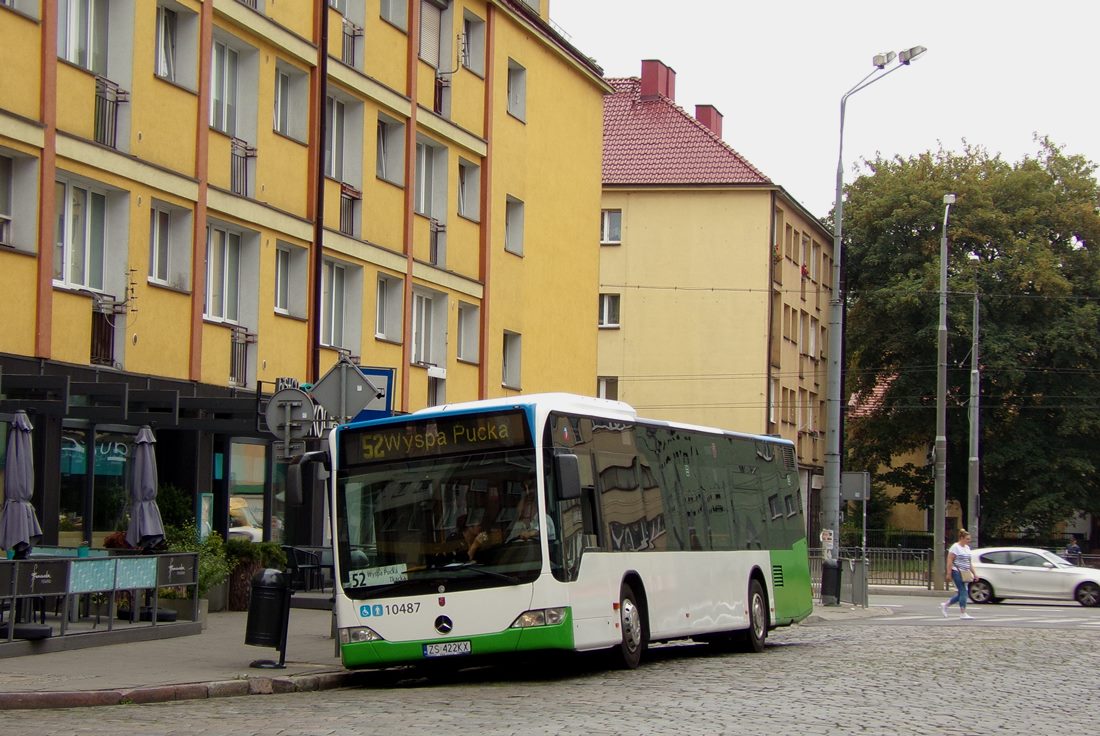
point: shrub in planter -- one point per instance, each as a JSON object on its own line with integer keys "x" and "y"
{"x": 213, "y": 563}
{"x": 246, "y": 558}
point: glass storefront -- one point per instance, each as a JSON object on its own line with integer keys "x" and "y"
{"x": 111, "y": 451}
{"x": 248, "y": 497}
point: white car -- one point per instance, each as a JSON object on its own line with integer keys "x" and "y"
{"x": 1027, "y": 572}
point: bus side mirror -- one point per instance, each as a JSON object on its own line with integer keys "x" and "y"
{"x": 567, "y": 472}
{"x": 294, "y": 491}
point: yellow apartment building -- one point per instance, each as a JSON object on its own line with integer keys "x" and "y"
{"x": 714, "y": 282}
{"x": 199, "y": 198}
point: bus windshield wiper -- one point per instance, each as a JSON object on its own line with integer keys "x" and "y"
{"x": 477, "y": 570}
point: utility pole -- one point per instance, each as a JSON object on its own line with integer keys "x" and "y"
{"x": 939, "y": 506}
{"x": 972, "y": 495}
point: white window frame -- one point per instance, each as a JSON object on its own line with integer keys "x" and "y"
{"x": 469, "y": 190}
{"x": 606, "y": 230}
{"x": 223, "y": 260}
{"x": 225, "y": 78}
{"x": 424, "y": 183}
{"x": 281, "y": 114}
{"x": 511, "y": 364}
{"x": 610, "y": 305}
{"x": 517, "y": 90}
{"x": 7, "y": 186}
{"x": 607, "y": 387}
{"x": 513, "y": 225}
{"x": 473, "y": 50}
{"x": 431, "y": 27}
{"x": 65, "y": 247}
{"x": 160, "y": 244}
{"x": 395, "y": 12}
{"x": 282, "y": 279}
{"x": 469, "y": 332}
{"x": 334, "y": 283}
{"x": 82, "y": 33}
{"x": 167, "y": 42}
{"x": 390, "y": 163}
{"x": 335, "y": 116}
{"x": 422, "y": 313}
{"x": 389, "y": 298}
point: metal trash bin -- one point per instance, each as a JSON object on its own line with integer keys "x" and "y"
{"x": 830, "y": 582}
{"x": 269, "y": 614}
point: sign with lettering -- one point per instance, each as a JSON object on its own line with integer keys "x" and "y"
{"x": 434, "y": 437}
{"x": 42, "y": 577}
{"x": 175, "y": 570}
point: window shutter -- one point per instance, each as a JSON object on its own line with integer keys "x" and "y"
{"x": 431, "y": 18}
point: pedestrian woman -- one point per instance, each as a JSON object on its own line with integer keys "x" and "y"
{"x": 961, "y": 572}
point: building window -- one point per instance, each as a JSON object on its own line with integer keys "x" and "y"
{"x": 290, "y": 279}
{"x": 611, "y": 227}
{"x": 6, "y": 180}
{"x": 424, "y": 165}
{"x": 340, "y": 6}
{"x": 166, "y": 43}
{"x": 223, "y": 100}
{"x": 334, "y": 139}
{"x": 510, "y": 372}
{"x": 773, "y": 400}
{"x": 160, "y": 237}
{"x": 332, "y": 304}
{"x": 473, "y": 43}
{"x": 82, "y": 33}
{"x": 223, "y": 264}
{"x": 431, "y": 23}
{"x": 609, "y": 310}
{"x": 391, "y": 140}
{"x": 513, "y": 226}
{"x": 469, "y": 189}
{"x": 607, "y": 387}
{"x": 387, "y": 321}
{"x": 422, "y": 329}
{"x": 80, "y": 237}
{"x": 291, "y": 90}
{"x": 395, "y": 12}
{"x": 469, "y": 332}
{"x": 517, "y": 90}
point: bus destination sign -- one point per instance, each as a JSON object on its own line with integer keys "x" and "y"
{"x": 444, "y": 435}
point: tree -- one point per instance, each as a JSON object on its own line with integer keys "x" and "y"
{"x": 1026, "y": 236}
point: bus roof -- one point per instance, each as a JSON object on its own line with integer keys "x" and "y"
{"x": 577, "y": 404}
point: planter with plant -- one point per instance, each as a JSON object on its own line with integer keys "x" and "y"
{"x": 213, "y": 565}
{"x": 246, "y": 558}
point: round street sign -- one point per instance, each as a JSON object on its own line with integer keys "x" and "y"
{"x": 295, "y": 423}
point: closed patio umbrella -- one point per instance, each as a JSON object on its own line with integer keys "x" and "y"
{"x": 19, "y": 527}
{"x": 146, "y": 530}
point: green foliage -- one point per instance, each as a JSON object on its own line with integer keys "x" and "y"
{"x": 265, "y": 554}
{"x": 177, "y": 506}
{"x": 1026, "y": 236}
{"x": 213, "y": 562}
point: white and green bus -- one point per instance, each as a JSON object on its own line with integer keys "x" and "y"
{"x": 558, "y": 522}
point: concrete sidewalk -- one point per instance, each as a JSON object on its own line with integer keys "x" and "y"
{"x": 215, "y": 664}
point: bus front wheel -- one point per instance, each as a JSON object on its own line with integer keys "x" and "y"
{"x": 753, "y": 637}
{"x": 632, "y": 624}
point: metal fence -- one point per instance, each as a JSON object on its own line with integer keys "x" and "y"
{"x": 903, "y": 566}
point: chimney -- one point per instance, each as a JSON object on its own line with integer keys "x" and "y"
{"x": 709, "y": 116}
{"x": 657, "y": 79}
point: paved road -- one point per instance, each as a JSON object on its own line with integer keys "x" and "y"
{"x": 820, "y": 678}
{"x": 925, "y": 611}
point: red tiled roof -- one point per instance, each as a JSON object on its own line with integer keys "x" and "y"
{"x": 655, "y": 141}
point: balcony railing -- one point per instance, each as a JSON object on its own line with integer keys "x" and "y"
{"x": 108, "y": 96}
{"x": 240, "y": 153}
{"x": 441, "y": 83}
{"x": 104, "y": 313}
{"x": 352, "y": 32}
{"x": 349, "y": 195}
{"x": 254, "y": 4}
{"x": 240, "y": 339}
{"x": 437, "y": 242}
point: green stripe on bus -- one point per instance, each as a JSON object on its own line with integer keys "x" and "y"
{"x": 793, "y": 597}
{"x": 532, "y": 638}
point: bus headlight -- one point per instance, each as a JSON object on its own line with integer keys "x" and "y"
{"x": 540, "y": 617}
{"x": 357, "y": 634}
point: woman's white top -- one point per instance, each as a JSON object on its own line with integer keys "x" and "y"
{"x": 962, "y": 556}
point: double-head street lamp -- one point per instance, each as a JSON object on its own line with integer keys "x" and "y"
{"x": 830, "y": 495}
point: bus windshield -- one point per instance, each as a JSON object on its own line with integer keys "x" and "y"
{"x": 463, "y": 514}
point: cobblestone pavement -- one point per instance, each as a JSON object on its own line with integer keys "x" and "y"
{"x": 820, "y": 678}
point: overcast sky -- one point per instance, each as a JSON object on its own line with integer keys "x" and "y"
{"x": 996, "y": 73}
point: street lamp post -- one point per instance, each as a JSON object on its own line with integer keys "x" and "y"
{"x": 939, "y": 505}
{"x": 830, "y": 494}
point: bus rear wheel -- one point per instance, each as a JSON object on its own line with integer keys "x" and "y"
{"x": 752, "y": 639}
{"x": 629, "y": 653}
